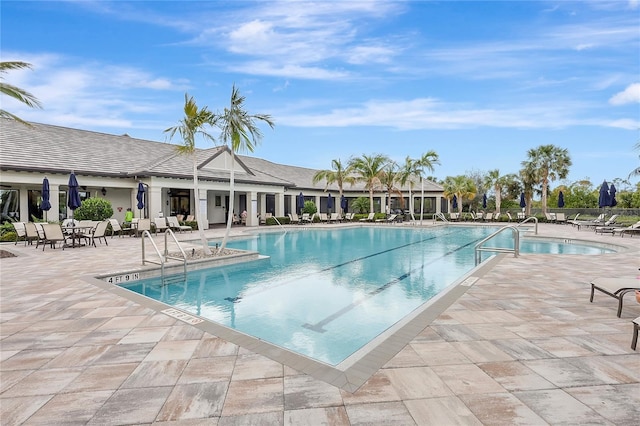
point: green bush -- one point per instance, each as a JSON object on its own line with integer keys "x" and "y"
{"x": 94, "y": 209}
{"x": 8, "y": 236}
{"x": 272, "y": 220}
{"x": 309, "y": 207}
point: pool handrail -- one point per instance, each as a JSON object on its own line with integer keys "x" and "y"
{"x": 530, "y": 219}
{"x": 278, "y": 222}
{"x": 516, "y": 244}
{"x": 165, "y": 256}
{"x": 439, "y": 215}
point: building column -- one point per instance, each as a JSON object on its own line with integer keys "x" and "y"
{"x": 54, "y": 199}
{"x": 262, "y": 204}
{"x": 438, "y": 204}
{"x": 154, "y": 198}
{"x": 252, "y": 209}
{"x": 24, "y": 204}
{"x": 279, "y": 204}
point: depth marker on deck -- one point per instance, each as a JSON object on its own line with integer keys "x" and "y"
{"x": 182, "y": 316}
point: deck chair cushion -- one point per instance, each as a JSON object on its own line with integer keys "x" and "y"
{"x": 615, "y": 287}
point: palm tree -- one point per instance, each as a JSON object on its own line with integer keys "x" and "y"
{"x": 16, "y": 92}
{"x": 240, "y": 133}
{"x": 368, "y": 169}
{"x": 551, "y": 163}
{"x": 460, "y": 186}
{"x": 636, "y": 171}
{"x": 192, "y": 125}
{"x": 338, "y": 174}
{"x": 388, "y": 179}
{"x": 494, "y": 180}
{"x": 415, "y": 168}
{"x": 529, "y": 178}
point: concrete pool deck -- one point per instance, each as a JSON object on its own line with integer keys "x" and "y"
{"x": 523, "y": 345}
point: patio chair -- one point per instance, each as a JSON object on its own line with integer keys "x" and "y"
{"x": 53, "y": 234}
{"x": 21, "y": 231}
{"x": 115, "y": 227}
{"x": 454, "y": 217}
{"x": 100, "y": 231}
{"x": 190, "y": 218}
{"x": 307, "y": 218}
{"x": 550, "y": 217}
{"x": 509, "y": 217}
{"x": 324, "y": 217}
{"x": 574, "y": 221}
{"x": 143, "y": 225}
{"x": 348, "y": 216}
{"x": 335, "y": 217}
{"x": 293, "y": 218}
{"x": 160, "y": 224}
{"x": 391, "y": 218}
{"x": 521, "y": 216}
{"x": 40, "y": 231}
{"x": 561, "y": 218}
{"x": 174, "y": 224}
{"x": 636, "y": 328}
{"x": 368, "y": 218}
{"x": 478, "y": 216}
{"x": 615, "y": 287}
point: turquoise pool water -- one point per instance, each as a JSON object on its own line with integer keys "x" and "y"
{"x": 327, "y": 293}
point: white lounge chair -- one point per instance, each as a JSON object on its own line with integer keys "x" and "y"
{"x": 615, "y": 287}
{"x": 21, "y": 231}
{"x": 52, "y": 235}
{"x": 175, "y": 225}
{"x": 160, "y": 224}
{"x": 633, "y": 229}
{"x": 368, "y": 218}
{"x": 100, "y": 231}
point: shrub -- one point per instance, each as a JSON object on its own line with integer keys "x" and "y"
{"x": 272, "y": 220}
{"x": 309, "y": 207}
{"x": 94, "y": 209}
{"x": 8, "y": 236}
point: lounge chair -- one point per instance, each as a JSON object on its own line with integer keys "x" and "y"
{"x": 190, "y": 218}
{"x": 335, "y": 217}
{"x": 551, "y": 218}
{"x": 348, "y": 216}
{"x": 561, "y": 218}
{"x": 368, "y": 218}
{"x": 115, "y": 227}
{"x": 21, "y": 231}
{"x": 160, "y": 224}
{"x": 636, "y": 328}
{"x": 509, "y": 217}
{"x": 615, "y": 287}
{"x": 521, "y": 216}
{"x": 323, "y": 217}
{"x": 53, "y": 234}
{"x": 633, "y": 229}
{"x": 293, "y": 218}
{"x": 391, "y": 218}
{"x": 32, "y": 233}
{"x": 307, "y": 218}
{"x": 454, "y": 217}
{"x": 599, "y": 222}
{"x": 574, "y": 221}
{"x": 175, "y": 225}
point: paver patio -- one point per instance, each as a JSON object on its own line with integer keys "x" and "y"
{"x": 522, "y": 346}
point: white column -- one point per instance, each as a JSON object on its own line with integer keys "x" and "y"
{"x": 24, "y": 204}
{"x": 202, "y": 203}
{"x": 252, "y": 209}
{"x": 262, "y": 204}
{"x": 279, "y": 204}
{"x": 53, "y": 215}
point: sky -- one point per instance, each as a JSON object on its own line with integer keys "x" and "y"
{"x": 480, "y": 83}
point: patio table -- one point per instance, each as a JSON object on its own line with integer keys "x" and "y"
{"x": 76, "y": 234}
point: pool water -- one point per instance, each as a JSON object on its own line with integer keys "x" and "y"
{"x": 327, "y": 293}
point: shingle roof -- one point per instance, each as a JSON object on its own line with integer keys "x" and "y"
{"x": 54, "y": 149}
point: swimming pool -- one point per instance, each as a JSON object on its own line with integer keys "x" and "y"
{"x": 326, "y": 293}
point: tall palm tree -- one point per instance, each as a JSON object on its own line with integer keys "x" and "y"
{"x": 551, "y": 163}
{"x": 414, "y": 168}
{"x": 192, "y": 125}
{"x": 460, "y": 186}
{"x": 529, "y": 178}
{"x": 240, "y": 133}
{"x": 338, "y": 174}
{"x": 368, "y": 169}
{"x": 636, "y": 171}
{"x": 16, "y": 92}
{"x": 389, "y": 177}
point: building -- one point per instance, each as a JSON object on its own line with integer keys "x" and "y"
{"x": 111, "y": 166}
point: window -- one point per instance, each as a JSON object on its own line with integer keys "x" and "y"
{"x": 10, "y": 204}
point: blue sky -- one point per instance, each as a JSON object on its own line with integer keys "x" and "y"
{"x": 478, "y": 82}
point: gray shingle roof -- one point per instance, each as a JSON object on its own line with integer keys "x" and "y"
{"x": 54, "y": 149}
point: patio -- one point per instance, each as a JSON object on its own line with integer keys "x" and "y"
{"x": 522, "y": 346}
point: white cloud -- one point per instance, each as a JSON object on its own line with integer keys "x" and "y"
{"x": 629, "y": 95}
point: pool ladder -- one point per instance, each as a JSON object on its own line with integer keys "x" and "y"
{"x": 440, "y": 216}
{"x": 516, "y": 244}
{"x": 164, "y": 257}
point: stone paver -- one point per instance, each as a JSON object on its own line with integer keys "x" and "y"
{"x": 522, "y": 346}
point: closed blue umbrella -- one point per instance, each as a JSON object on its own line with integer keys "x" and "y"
{"x": 344, "y": 204}
{"x": 300, "y": 203}
{"x": 329, "y": 202}
{"x": 46, "y": 195}
{"x": 484, "y": 201}
{"x": 561, "y": 200}
{"x": 455, "y": 202}
{"x": 523, "y": 203}
{"x": 612, "y": 196}
{"x": 73, "y": 197}
{"x": 603, "y": 199}
{"x": 140, "y": 196}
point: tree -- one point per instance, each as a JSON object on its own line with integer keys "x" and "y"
{"x": 192, "y": 125}
{"x": 460, "y": 186}
{"x": 551, "y": 163}
{"x": 413, "y": 168}
{"x": 636, "y": 171}
{"x": 16, "y": 92}
{"x": 338, "y": 174}
{"x": 388, "y": 179}
{"x": 368, "y": 169}
{"x": 240, "y": 133}
{"x": 499, "y": 183}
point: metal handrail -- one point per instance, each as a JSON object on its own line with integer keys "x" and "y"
{"x": 165, "y": 256}
{"x": 278, "y": 222}
{"x": 516, "y": 244}
{"x": 529, "y": 219}
{"x": 439, "y": 215}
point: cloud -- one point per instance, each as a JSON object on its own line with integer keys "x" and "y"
{"x": 629, "y": 95}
